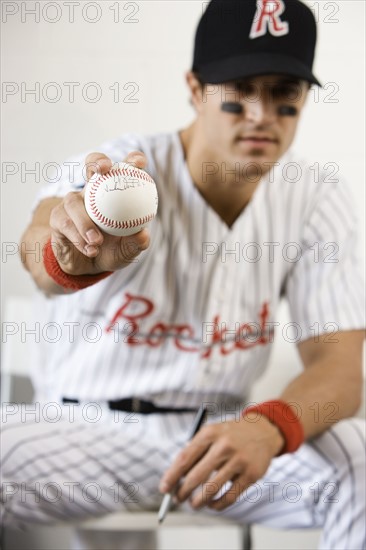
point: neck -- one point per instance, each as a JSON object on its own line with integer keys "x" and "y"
{"x": 225, "y": 189}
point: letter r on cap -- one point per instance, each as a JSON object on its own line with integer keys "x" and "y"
{"x": 267, "y": 19}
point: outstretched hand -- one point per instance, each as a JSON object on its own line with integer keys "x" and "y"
{"x": 80, "y": 246}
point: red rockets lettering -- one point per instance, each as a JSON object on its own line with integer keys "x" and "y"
{"x": 136, "y": 310}
{"x": 157, "y": 333}
{"x": 267, "y": 19}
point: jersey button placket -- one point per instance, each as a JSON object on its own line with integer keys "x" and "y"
{"x": 211, "y": 365}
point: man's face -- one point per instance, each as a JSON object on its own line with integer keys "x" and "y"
{"x": 263, "y": 131}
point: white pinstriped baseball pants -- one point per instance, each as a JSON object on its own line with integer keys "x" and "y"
{"x": 75, "y": 467}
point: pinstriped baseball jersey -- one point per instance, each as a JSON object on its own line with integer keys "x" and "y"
{"x": 195, "y": 314}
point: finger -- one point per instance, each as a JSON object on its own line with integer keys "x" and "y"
{"x": 240, "y": 483}
{"x": 225, "y": 474}
{"x": 62, "y": 248}
{"x": 64, "y": 230}
{"x": 187, "y": 457}
{"x": 136, "y": 158}
{"x": 66, "y": 242}
{"x": 97, "y": 163}
{"x": 75, "y": 210}
{"x": 200, "y": 473}
{"x": 66, "y": 233}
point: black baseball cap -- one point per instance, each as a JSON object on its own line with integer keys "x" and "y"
{"x": 236, "y": 39}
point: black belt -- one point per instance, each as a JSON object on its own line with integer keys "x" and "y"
{"x": 135, "y": 405}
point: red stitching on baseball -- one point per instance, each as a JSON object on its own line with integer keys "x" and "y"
{"x": 113, "y": 223}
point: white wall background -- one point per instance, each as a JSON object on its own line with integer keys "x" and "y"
{"x": 152, "y": 53}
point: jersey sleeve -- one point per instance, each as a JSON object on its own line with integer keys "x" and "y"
{"x": 325, "y": 287}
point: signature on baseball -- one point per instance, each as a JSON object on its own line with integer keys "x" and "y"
{"x": 121, "y": 183}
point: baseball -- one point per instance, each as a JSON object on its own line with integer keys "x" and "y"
{"x": 123, "y": 201}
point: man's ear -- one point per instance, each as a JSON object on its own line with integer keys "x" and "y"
{"x": 196, "y": 90}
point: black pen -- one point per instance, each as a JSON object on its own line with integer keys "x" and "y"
{"x": 167, "y": 500}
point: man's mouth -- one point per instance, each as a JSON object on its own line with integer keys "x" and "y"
{"x": 257, "y": 140}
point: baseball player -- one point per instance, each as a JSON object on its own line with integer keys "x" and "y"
{"x": 148, "y": 327}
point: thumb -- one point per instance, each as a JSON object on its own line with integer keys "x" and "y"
{"x": 133, "y": 245}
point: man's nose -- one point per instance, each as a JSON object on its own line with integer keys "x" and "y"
{"x": 260, "y": 111}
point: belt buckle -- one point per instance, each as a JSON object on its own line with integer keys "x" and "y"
{"x": 136, "y": 405}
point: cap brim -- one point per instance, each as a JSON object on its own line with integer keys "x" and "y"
{"x": 258, "y": 64}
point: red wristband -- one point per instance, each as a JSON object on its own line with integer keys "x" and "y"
{"x": 74, "y": 282}
{"x": 280, "y": 413}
